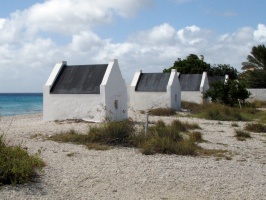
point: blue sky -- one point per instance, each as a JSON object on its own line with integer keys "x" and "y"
{"x": 142, "y": 34}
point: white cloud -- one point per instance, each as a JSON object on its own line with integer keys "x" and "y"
{"x": 162, "y": 34}
{"x": 192, "y": 35}
{"x": 86, "y": 41}
{"x": 73, "y": 16}
{"x": 27, "y": 56}
{"x": 2, "y": 21}
{"x": 260, "y": 33}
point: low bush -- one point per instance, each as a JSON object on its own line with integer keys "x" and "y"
{"x": 71, "y": 136}
{"x": 162, "y": 112}
{"x": 191, "y": 106}
{"x": 234, "y": 124}
{"x": 16, "y": 165}
{"x": 196, "y": 136}
{"x": 225, "y": 113}
{"x": 111, "y": 133}
{"x": 161, "y": 138}
{"x": 257, "y": 104}
{"x": 255, "y": 127}
{"x": 167, "y": 140}
{"x": 184, "y": 126}
{"x": 242, "y": 135}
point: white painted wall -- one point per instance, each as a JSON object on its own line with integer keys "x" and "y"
{"x": 74, "y": 106}
{"x": 174, "y": 91}
{"x": 197, "y": 96}
{"x": 115, "y": 92}
{"x": 204, "y": 85}
{"x": 257, "y": 94}
{"x": 147, "y": 100}
{"x": 93, "y": 107}
{"x": 192, "y": 96}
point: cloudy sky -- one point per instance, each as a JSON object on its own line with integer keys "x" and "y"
{"x": 142, "y": 34}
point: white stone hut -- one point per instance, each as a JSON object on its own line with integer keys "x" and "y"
{"x": 154, "y": 90}
{"x": 193, "y": 87}
{"x": 90, "y": 92}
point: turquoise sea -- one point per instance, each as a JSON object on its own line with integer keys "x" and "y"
{"x": 20, "y": 103}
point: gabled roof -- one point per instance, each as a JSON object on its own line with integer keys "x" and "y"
{"x": 190, "y": 82}
{"x": 213, "y": 79}
{"x": 79, "y": 79}
{"x": 152, "y": 82}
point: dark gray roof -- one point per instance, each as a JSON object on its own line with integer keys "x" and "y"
{"x": 190, "y": 82}
{"x": 79, "y": 79}
{"x": 213, "y": 79}
{"x": 153, "y": 82}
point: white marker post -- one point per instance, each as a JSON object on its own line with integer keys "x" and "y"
{"x": 147, "y": 124}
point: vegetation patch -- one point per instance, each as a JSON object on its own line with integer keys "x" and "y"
{"x": 220, "y": 112}
{"x": 218, "y": 153}
{"x": 191, "y": 106}
{"x": 196, "y": 136}
{"x": 160, "y": 138}
{"x": 242, "y": 135}
{"x": 184, "y": 126}
{"x": 234, "y": 124}
{"x": 162, "y": 112}
{"x": 101, "y": 137}
{"x": 256, "y": 127}
{"x": 258, "y": 104}
{"x": 165, "y": 139}
{"x": 16, "y": 165}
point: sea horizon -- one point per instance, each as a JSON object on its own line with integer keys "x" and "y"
{"x": 19, "y": 103}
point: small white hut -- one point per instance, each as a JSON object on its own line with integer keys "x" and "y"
{"x": 154, "y": 90}
{"x": 193, "y": 87}
{"x": 90, "y": 92}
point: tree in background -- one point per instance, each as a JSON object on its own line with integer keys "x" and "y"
{"x": 254, "y": 78}
{"x": 257, "y": 59}
{"x": 195, "y": 65}
{"x": 228, "y": 93}
{"x": 223, "y": 69}
{"x": 191, "y": 65}
{"x": 255, "y": 66}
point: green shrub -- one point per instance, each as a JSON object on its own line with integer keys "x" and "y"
{"x": 193, "y": 107}
{"x": 167, "y": 140}
{"x": 71, "y": 136}
{"x": 162, "y": 112}
{"x": 165, "y": 131}
{"x": 161, "y": 138}
{"x": 111, "y": 133}
{"x": 184, "y": 126}
{"x": 159, "y": 144}
{"x": 16, "y": 165}
{"x": 242, "y": 135}
{"x": 255, "y": 127}
{"x": 234, "y": 124}
{"x": 196, "y": 136}
{"x": 225, "y": 113}
{"x": 229, "y": 93}
{"x": 257, "y": 104}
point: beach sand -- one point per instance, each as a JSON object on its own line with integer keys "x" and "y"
{"x": 74, "y": 172}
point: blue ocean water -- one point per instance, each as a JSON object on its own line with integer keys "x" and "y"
{"x": 20, "y": 103}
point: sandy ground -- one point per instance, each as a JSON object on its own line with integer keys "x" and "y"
{"x": 74, "y": 172}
